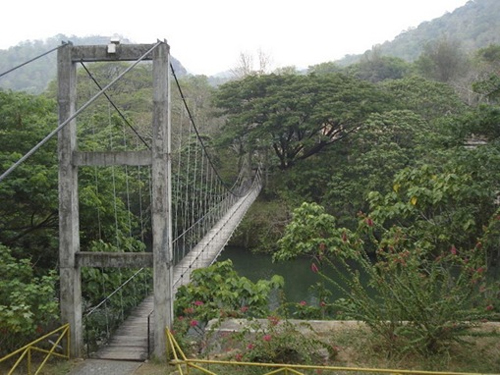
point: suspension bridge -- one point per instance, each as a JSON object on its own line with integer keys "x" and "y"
{"x": 173, "y": 211}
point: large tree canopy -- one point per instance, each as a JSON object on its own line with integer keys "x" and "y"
{"x": 296, "y": 116}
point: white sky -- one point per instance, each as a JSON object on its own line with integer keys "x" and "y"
{"x": 208, "y": 36}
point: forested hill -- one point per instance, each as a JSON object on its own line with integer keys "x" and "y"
{"x": 34, "y": 77}
{"x": 474, "y": 25}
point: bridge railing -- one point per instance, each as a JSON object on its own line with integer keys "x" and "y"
{"x": 232, "y": 212}
{"x": 102, "y": 320}
{"x": 49, "y": 345}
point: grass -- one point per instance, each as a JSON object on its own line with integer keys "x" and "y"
{"x": 478, "y": 352}
{"x": 52, "y": 367}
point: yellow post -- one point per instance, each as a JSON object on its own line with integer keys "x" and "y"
{"x": 68, "y": 341}
{"x": 29, "y": 360}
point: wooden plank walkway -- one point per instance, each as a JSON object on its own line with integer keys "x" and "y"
{"x": 130, "y": 341}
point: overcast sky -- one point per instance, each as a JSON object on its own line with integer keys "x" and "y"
{"x": 208, "y": 36}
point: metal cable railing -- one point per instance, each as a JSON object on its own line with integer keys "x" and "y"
{"x": 102, "y": 320}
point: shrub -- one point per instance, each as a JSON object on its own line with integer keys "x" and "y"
{"x": 415, "y": 299}
{"x": 279, "y": 340}
{"x": 28, "y": 305}
{"x": 218, "y": 291}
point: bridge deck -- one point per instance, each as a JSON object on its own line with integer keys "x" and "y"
{"x": 130, "y": 341}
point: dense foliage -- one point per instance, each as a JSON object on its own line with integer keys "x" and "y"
{"x": 413, "y": 295}
{"x": 28, "y": 214}
{"x": 27, "y": 303}
{"x": 218, "y": 291}
{"x": 295, "y": 116}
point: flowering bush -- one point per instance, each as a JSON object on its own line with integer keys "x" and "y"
{"x": 322, "y": 309}
{"x": 280, "y": 341}
{"x": 415, "y": 298}
{"x": 218, "y": 292}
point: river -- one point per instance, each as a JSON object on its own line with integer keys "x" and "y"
{"x": 297, "y": 273}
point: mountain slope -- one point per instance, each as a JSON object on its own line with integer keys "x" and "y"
{"x": 474, "y": 25}
{"x": 35, "y": 77}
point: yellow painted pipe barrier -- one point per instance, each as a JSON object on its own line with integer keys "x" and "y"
{"x": 186, "y": 364}
{"x": 25, "y": 351}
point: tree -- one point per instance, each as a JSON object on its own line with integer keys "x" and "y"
{"x": 325, "y": 68}
{"x": 442, "y": 60}
{"x": 245, "y": 66}
{"x": 429, "y": 99}
{"x": 386, "y": 144}
{"x": 374, "y": 67}
{"x": 488, "y": 85}
{"x": 437, "y": 206}
{"x": 295, "y": 116}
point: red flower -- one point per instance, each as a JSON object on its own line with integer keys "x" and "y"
{"x": 181, "y": 318}
{"x": 274, "y": 320}
{"x": 193, "y": 323}
{"x": 250, "y": 346}
{"x": 453, "y": 250}
{"x": 267, "y": 338}
{"x": 244, "y": 309}
{"x": 369, "y": 222}
{"x": 198, "y": 303}
{"x": 238, "y": 356}
{"x": 302, "y": 303}
{"x": 489, "y": 308}
{"x": 344, "y": 237}
{"x": 322, "y": 304}
{"x": 314, "y": 268}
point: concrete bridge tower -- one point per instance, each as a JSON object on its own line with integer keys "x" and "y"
{"x": 70, "y": 159}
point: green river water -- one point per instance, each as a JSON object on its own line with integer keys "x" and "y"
{"x": 297, "y": 273}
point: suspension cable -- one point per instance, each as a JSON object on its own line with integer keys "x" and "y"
{"x": 187, "y": 218}
{"x": 114, "y": 106}
{"x": 197, "y": 132}
{"x": 80, "y": 110}
{"x": 33, "y": 59}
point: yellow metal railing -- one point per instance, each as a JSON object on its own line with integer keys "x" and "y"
{"x": 26, "y": 351}
{"x": 183, "y": 365}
